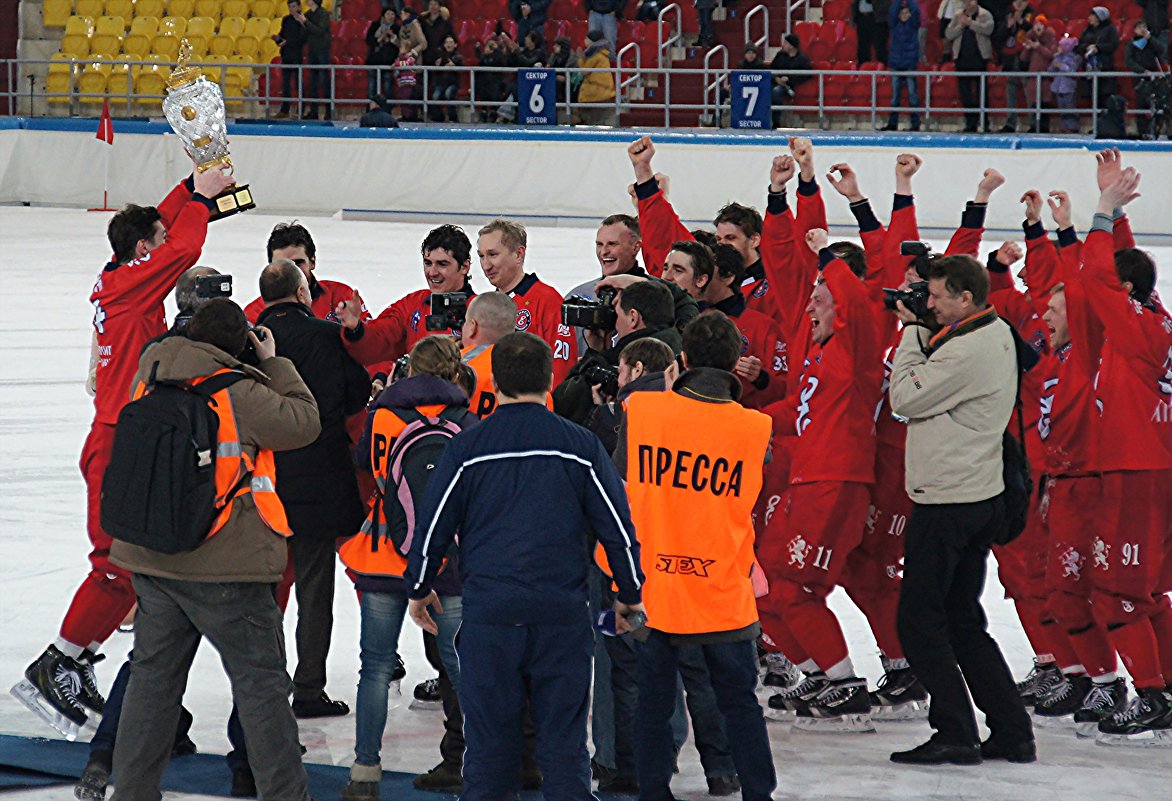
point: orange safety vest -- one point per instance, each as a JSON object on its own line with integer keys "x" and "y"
{"x": 692, "y": 489}
{"x": 483, "y": 400}
{"x": 233, "y": 465}
{"x": 369, "y": 552}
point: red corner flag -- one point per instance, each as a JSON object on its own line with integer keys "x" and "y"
{"x": 106, "y": 125}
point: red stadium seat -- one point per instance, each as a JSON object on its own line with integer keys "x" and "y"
{"x": 806, "y": 32}
{"x": 831, "y": 30}
{"x": 844, "y": 50}
{"x": 818, "y": 51}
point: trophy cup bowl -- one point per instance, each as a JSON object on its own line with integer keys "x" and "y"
{"x": 194, "y": 107}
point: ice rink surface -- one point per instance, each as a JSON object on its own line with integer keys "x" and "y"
{"x": 51, "y": 259}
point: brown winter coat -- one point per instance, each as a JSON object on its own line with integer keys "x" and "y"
{"x": 411, "y": 39}
{"x": 275, "y": 410}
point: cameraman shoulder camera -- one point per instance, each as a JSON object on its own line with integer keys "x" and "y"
{"x": 910, "y": 300}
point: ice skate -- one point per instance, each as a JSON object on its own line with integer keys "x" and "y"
{"x": 899, "y": 696}
{"x": 52, "y": 687}
{"x": 1102, "y": 701}
{"x": 841, "y": 707}
{"x": 91, "y": 698}
{"x": 427, "y": 695}
{"x": 780, "y": 673}
{"x": 1038, "y": 684}
{"x": 1063, "y": 701}
{"x": 782, "y": 705}
{"x": 1146, "y": 722}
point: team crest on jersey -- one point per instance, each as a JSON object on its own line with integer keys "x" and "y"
{"x": 563, "y": 330}
{"x": 771, "y": 507}
{"x": 524, "y": 319}
{"x": 415, "y": 315}
{"x": 1038, "y": 341}
{"x": 799, "y": 549}
{"x": 1128, "y": 606}
{"x": 761, "y": 288}
{"x": 1101, "y": 552}
{"x": 1071, "y": 561}
{"x": 744, "y": 344}
{"x": 893, "y": 572}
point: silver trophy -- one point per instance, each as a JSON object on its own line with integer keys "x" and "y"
{"x": 195, "y": 108}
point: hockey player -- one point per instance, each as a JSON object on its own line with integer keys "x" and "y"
{"x": 152, "y": 248}
{"x": 292, "y": 241}
{"x": 502, "y": 247}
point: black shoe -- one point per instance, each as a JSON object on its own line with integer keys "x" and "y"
{"x": 320, "y": 707}
{"x": 530, "y": 777}
{"x": 891, "y": 126}
{"x": 1038, "y": 684}
{"x": 1065, "y": 699}
{"x": 1011, "y": 752}
{"x": 443, "y": 778}
{"x": 243, "y": 784}
{"x": 723, "y": 785}
{"x": 934, "y": 753}
{"x": 1007, "y": 128}
{"x": 91, "y": 786}
{"x": 914, "y": 127}
{"x": 600, "y": 772}
{"x": 619, "y": 785}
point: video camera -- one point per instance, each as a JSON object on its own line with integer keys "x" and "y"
{"x": 599, "y": 315}
{"x": 605, "y": 375}
{"x": 213, "y": 286}
{"x": 447, "y": 311}
{"x": 915, "y": 297}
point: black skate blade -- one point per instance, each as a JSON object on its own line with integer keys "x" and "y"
{"x": 1153, "y": 738}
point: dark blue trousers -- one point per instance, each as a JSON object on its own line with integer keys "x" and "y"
{"x": 499, "y": 665}
{"x": 733, "y": 669}
{"x": 107, "y": 731}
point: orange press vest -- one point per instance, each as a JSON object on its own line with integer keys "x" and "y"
{"x": 369, "y": 552}
{"x": 483, "y": 400}
{"x": 234, "y": 465}
{"x": 694, "y": 471}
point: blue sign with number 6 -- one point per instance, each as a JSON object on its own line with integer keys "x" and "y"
{"x": 751, "y": 99}
{"x": 536, "y": 97}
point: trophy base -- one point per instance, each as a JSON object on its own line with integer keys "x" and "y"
{"x": 234, "y": 200}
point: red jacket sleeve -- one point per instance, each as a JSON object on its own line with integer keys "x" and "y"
{"x": 811, "y": 215}
{"x": 151, "y": 279}
{"x": 1137, "y": 334}
{"x": 967, "y": 239}
{"x": 853, "y": 308}
{"x": 175, "y": 200}
{"x": 384, "y": 338}
{"x": 1121, "y": 233}
{"x": 790, "y": 279}
{"x": 1086, "y": 332}
{"x": 660, "y": 228}
{"x": 1041, "y": 266}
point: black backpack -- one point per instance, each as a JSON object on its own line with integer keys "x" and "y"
{"x": 1015, "y": 464}
{"x": 159, "y": 490}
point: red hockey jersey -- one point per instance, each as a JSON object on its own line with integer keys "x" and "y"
{"x": 326, "y": 297}
{"x": 395, "y": 331}
{"x": 539, "y": 311}
{"x": 760, "y": 337}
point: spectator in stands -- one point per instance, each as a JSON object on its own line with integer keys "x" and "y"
{"x": 437, "y": 26}
{"x": 788, "y": 66}
{"x": 597, "y": 87}
{"x": 945, "y": 12}
{"x": 411, "y": 38}
{"x": 1156, "y": 16}
{"x": 1097, "y": 46}
{"x": 491, "y": 86}
{"x": 406, "y": 85}
{"x": 1011, "y": 32}
{"x": 317, "y": 36}
{"x": 444, "y": 85}
{"x": 870, "y": 20}
{"x": 1038, "y": 49}
{"x": 1065, "y": 87}
{"x": 704, "y": 9}
{"x": 529, "y": 14}
{"x": 532, "y": 52}
{"x": 903, "y": 55}
{"x": 378, "y": 114}
{"x": 382, "y": 50}
{"x": 291, "y": 40}
{"x": 1147, "y": 57}
{"x": 751, "y": 60}
{"x": 565, "y": 60}
{"x": 972, "y": 47}
{"x": 604, "y": 16}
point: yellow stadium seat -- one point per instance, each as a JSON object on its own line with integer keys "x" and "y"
{"x": 167, "y": 46}
{"x": 121, "y": 79}
{"x": 209, "y": 8}
{"x": 142, "y": 32}
{"x": 213, "y": 68}
{"x": 232, "y": 26}
{"x": 248, "y": 46}
{"x": 93, "y": 80}
{"x": 264, "y": 9}
{"x": 174, "y": 26}
{"x": 55, "y": 13}
{"x": 180, "y": 8}
{"x": 80, "y": 24}
{"x": 255, "y": 26}
{"x": 222, "y": 45}
{"x": 151, "y": 80}
{"x": 275, "y": 27}
{"x": 149, "y": 8}
{"x": 107, "y": 36}
{"x": 236, "y": 8}
{"x": 200, "y": 31}
{"x": 268, "y": 51}
{"x": 144, "y": 26}
{"x": 90, "y": 8}
{"x": 199, "y": 47}
{"x": 120, "y": 8}
{"x": 76, "y": 40}
{"x": 59, "y": 82}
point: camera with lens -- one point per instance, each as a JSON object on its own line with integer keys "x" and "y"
{"x": 605, "y": 375}
{"x": 915, "y": 297}
{"x": 400, "y": 369}
{"x": 599, "y": 315}
{"x": 213, "y": 286}
{"x": 447, "y": 311}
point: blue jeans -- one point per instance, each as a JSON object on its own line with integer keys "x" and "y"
{"x": 382, "y": 616}
{"x": 900, "y": 83}
{"x": 733, "y": 670}
{"x": 609, "y": 25}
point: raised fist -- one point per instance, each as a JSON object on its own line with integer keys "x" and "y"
{"x": 781, "y": 172}
{"x": 1033, "y": 205}
{"x": 816, "y": 239}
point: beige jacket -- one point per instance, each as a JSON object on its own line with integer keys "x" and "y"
{"x": 274, "y": 411}
{"x": 957, "y": 402}
{"x": 982, "y": 27}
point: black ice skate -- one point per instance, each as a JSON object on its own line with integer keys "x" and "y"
{"x": 1102, "y": 701}
{"x": 427, "y": 695}
{"x": 843, "y": 706}
{"x": 783, "y": 705}
{"x": 1065, "y": 699}
{"x": 91, "y": 698}
{"x": 780, "y": 673}
{"x": 1039, "y": 683}
{"x": 899, "y": 696}
{"x": 92, "y": 784}
{"x": 1146, "y": 722}
{"x": 52, "y": 687}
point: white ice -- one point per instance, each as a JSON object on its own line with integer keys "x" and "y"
{"x": 51, "y": 258}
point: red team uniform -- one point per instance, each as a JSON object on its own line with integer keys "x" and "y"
{"x": 326, "y": 297}
{"x": 395, "y": 331}
{"x": 539, "y": 311}
{"x": 128, "y": 313}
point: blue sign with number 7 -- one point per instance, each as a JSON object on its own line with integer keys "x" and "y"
{"x": 536, "y": 97}
{"x": 751, "y": 99}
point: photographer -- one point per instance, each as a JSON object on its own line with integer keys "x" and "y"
{"x": 957, "y": 390}
{"x": 643, "y": 309}
{"x": 490, "y": 316}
